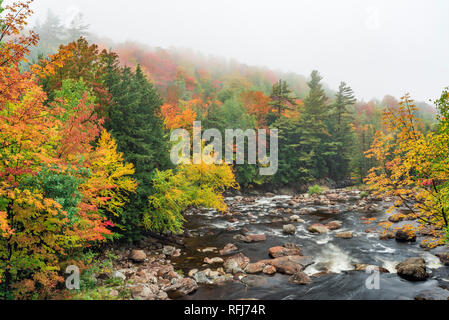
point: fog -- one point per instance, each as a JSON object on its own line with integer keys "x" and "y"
{"x": 377, "y": 47}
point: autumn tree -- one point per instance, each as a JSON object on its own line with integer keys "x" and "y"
{"x": 413, "y": 165}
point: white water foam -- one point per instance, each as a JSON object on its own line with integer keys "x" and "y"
{"x": 333, "y": 259}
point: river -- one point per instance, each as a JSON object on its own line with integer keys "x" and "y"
{"x": 336, "y": 256}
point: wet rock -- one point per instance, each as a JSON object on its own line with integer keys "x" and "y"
{"x": 181, "y": 288}
{"x": 254, "y": 238}
{"x": 229, "y": 249}
{"x": 255, "y": 267}
{"x": 209, "y": 249}
{"x": 269, "y": 270}
{"x": 413, "y": 269}
{"x": 300, "y": 278}
{"x": 364, "y": 267}
{"x": 433, "y": 294}
{"x": 277, "y": 252}
{"x": 289, "y": 229}
{"x": 236, "y": 263}
{"x": 213, "y": 260}
{"x": 290, "y": 264}
{"x": 405, "y": 234}
{"x": 318, "y": 228}
{"x": 201, "y": 277}
{"x": 334, "y": 225}
{"x": 444, "y": 258}
{"x": 138, "y": 256}
{"x": 345, "y": 235}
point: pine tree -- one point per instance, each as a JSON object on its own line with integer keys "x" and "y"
{"x": 281, "y": 100}
{"x": 341, "y": 132}
{"x": 134, "y": 122}
{"x": 316, "y": 138}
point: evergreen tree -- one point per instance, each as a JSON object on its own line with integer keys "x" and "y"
{"x": 316, "y": 138}
{"x": 133, "y": 120}
{"x": 281, "y": 100}
{"x": 341, "y": 132}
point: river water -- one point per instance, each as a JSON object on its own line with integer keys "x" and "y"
{"x": 332, "y": 254}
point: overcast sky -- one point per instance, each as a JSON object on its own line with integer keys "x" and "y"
{"x": 378, "y": 47}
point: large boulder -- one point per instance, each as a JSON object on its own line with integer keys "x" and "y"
{"x": 181, "y": 288}
{"x": 300, "y": 278}
{"x": 318, "y": 228}
{"x": 413, "y": 269}
{"x": 138, "y": 256}
{"x": 277, "y": 252}
{"x": 229, "y": 249}
{"x": 291, "y": 264}
{"x": 289, "y": 229}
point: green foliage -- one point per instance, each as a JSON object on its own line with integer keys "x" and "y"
{"x": 199, "y": 185}
{"x": 133, "y": 120}
{"x": 316, "y": 189}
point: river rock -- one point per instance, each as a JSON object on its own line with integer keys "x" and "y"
{"x": 305, "y": 211}
{"x": 334, "y": 225}
{"x": 318, "y": 228}
{"x": 433, "y": 294}
{"x": 254, "y": 281}
{"x": 269, "y": 270}
{"x": 413, "y": 269}
{"x": 192, "y": 272}
{"x": 296, "y": 218}
{"x": 345, "y": 235}
{"x": 300, "y": 278}
{"x": 254, "y": 238}
{"x": 277, "y": 252}
{"x": 289, "y": 229}
{"x": 138, "y": 256}
{"x": 255, "y": 267}
{"x": 236, "y": 263}
{"x": 229, "y": 249}
{"x": 290, "y": 265}
{"x": 405, "y": 235}
{"x": 364, "y": 267}
{"x": 118, "y": 275}
{"x": 168, "y": 250}
{"x": 181, "y": 288}
{"x": 444, "y": 258}
{"x": 213, "y": 260}
{"x": 201, "y": 277}
{"x": 142, "y": 292}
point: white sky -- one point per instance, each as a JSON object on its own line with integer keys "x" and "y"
{"x": 377, "y": 47}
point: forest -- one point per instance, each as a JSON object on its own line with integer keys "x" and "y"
{"x": 85, "y": 166}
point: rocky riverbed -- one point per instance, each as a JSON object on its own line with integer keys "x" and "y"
{"x": 267, "y": 246}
